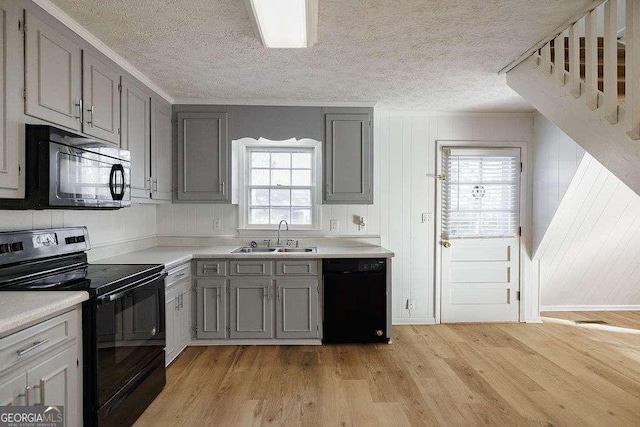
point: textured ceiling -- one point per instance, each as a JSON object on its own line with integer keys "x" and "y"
{"x": 405, "y": 54}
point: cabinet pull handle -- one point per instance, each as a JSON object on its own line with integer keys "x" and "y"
{"x": 21, "y": 395}
{"x": 222, "y": 188}
{"x": 278, "y": 295}
{"x": 41, "y": 387}
{"x": 90, "y": 110}
{"x": 176, "y": 306}
{"x": 79, "y": 105}
{"x": 33, "y": 347}
{"x": 266, "y": 293}
{"x": 27, "y": 392}
{"x": 155, "y": 184}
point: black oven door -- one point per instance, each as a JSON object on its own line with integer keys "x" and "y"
{"x": 130, "y": 329}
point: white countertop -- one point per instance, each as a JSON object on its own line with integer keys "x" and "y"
{"x": 172, "y": 256}
{"x": 21, "y": 308}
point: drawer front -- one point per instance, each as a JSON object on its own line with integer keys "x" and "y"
{"x": 297, "y": 268}
{"x": 213, "y": 268}
{"x": 251, "y": 268}
{"x": 178, "y": 274}
{"x": 37, "y": 339}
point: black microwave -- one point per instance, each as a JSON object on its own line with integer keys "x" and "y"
{"x": 68, "y": 171}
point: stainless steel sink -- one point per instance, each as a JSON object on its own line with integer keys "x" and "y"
{"x": 247, "y": 250}
{"x": 294, "y": 250}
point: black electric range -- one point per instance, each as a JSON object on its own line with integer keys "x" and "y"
{"x": 123, "y": 322}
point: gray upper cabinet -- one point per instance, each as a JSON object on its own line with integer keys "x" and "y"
{"x": 251, "y": 308}
{"x": 211, "y": 308}
{"x": 52, "y": 75}
{"x": 203, "y": 157}
{"x": 348, "y": 159}
{"x": 161, "y": 149}
{"x": 297, "y": 308}
{"x": 10, "y": 83}
{"x": 101, "y": 99}
{"x": 136, "y": 136}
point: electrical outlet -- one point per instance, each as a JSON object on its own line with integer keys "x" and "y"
{"x": 334, "y": 226}
{"x": 427, "y": 217}
{"x": 411, "y": 304}
{"x": 217, "y": 224}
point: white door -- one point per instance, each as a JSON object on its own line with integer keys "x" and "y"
{"x": 479, "y": 234}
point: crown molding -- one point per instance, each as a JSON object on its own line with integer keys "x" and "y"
{"x": 417, "y": 113}
{"x": 281, "y": 103}
{"x": 74, "y": 26}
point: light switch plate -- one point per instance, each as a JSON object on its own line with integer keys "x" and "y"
{"x": 334, "y": 226}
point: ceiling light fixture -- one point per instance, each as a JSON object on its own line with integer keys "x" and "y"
{"x": 284, "y": 23}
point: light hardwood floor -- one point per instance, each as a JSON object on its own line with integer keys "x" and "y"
{"x": 556, "y": 373}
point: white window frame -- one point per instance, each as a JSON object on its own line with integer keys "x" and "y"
{"x": 243, "y": 148}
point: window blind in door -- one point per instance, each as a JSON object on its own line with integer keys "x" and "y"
{"x": 480, "y": 193}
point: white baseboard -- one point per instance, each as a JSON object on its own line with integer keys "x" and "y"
{"x": 634, "y": 307}
{"x": 415, "y": 321}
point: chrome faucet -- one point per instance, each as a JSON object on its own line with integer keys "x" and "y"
{"x": 279, "y": 226}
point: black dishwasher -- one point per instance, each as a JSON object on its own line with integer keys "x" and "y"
{"x": 355, "y": 301}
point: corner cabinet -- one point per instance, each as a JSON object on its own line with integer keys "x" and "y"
{"x": 10, "y": 83}
{"x": 203, "y": 158}
{"x": 136, "y": 136}
{"x": 348, "y": 158}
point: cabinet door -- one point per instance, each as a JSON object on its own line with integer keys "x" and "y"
{"x": 348, "y": 158}
{"x": 55, "y": 382}
{"x": 203, "y": 157}
{"x": 13, "y": 390}
{"x": 52, "y": 75}
{"x": 297, "y": 308}
{"x": 136, "y": 136}
{"x": 10, "y": 83}
{"x": 101, "y": 99}
{"x": 185, "y": 316}
{"x": 212, "y": 308}
{"x": 251, "y": 308}
{"x": 171, "y": 313}
{"x": 161, "y": 149}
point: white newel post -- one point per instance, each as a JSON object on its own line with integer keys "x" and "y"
{"x": 632, "y": 68}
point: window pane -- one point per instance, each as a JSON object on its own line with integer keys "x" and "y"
{"x": 300, "y": 197}
{"x": 280, "y": 197}
{"x": 278, "y": 214}
{"x": 301, "y": 216}
{"x": 259, "y": 197}
{"x": 281, "y": 160}
{"x": 301, "y": 177}
{"x": 259, "y": 216}
{"x": 301, "y": 160}
{"x": 260, "y": 177}
{"x": 260, "y": 160}
{"x": 281, "y": 177}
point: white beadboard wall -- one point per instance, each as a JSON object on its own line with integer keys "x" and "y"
{"x": 404, "y": 154}
{"x": 555, "y": 160}
{"x": 590, "y": 255}
{"x": 110, "y": 232}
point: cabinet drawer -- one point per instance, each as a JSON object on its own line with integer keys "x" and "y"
{"x": 37, "y": 339}
{"x": 297, "y": 268}
{"x": 251, "y": 268}
{"x": 178, "y": 274}
{"x": 214, "y": 268}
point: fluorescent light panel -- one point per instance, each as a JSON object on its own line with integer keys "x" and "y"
{"x": 284, "y": 23}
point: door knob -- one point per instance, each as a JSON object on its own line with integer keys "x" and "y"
{"x": 446, "y": 244}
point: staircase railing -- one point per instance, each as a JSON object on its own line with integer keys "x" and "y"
{"x": 587, "y": 58}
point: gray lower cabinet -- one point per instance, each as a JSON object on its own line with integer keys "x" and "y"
{"x": 48, "y": 53}
{"x": 348, "y": 159}
{"x": 10, "y": 83}
{"x": 136, "y": 136}
{"x": 211, "y": 309}
{"x": 101, "y": 99}
{"x": 251, "y": 308}
{"x": 297, "y": 308}
{"x": 203, "y": 158}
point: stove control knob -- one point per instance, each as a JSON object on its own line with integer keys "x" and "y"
{"x": 17, "y": 247}
{"x": 4, "y": 248}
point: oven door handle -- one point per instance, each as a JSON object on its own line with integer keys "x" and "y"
{"x": 140, "y": 283}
